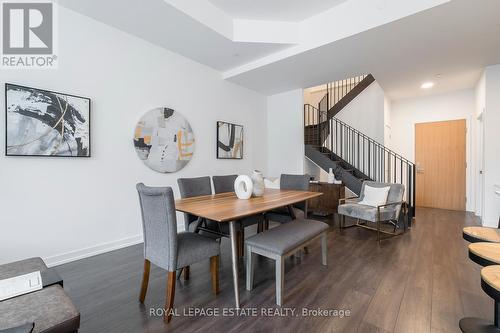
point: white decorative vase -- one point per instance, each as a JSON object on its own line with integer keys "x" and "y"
{"x": 243, "y": 187}
{"x": 258, "y": 183}
{"x": 331, "y": 176}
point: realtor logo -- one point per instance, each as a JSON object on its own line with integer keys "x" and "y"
{"x": 28, "y": 35}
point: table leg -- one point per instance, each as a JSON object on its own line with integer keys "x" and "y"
{"x": 234, "y": 259}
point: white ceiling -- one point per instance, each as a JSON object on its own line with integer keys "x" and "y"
{"x": 160, "y": 23}
{"x": 455, "y": 40}
{"x": 274, "y": 10}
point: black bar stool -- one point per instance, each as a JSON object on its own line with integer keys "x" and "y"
{"x": 481, "y": 234}
{"x": 490, "y": 282}
{"x": 487, "y": 255}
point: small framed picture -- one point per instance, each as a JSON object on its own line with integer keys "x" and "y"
{"x": 229, "y": 141}
{"x": 45, "y": 123}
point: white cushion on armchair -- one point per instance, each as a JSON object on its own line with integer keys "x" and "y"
{"x": 375, "y": 196}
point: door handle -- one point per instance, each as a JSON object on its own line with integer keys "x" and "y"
{"x": 419, "y": 168}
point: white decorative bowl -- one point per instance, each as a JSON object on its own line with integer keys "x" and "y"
{"x": 243, "y": 187}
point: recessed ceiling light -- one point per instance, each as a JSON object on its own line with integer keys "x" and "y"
{"x": 427, "y": 85}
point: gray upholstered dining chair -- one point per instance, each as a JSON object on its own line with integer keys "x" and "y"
{"x": 389, "y": 212}
{"x": 289, "y": 182}
{"x": 224, "y": 184}
{"x": 166, "y": 248}
{"x": 192, "y": 187}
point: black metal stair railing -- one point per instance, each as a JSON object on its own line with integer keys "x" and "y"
{"x": 371, "y": 159}
{"x": 337, "y": 90}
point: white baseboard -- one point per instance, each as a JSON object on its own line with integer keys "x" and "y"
{"x": 86, "y": 252}
{"x": 490, "y": 223}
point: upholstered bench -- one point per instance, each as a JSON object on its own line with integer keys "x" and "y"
{"x": 50, "y": 309}
{"x": 281, "y": 242}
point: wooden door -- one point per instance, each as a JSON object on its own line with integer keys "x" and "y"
{"x": 440, "y": 161}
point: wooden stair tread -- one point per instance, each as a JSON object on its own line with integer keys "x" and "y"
{"x": 488, "y": 251}
{"x": 491, "y": 275}
{"x": 483, "y": 233}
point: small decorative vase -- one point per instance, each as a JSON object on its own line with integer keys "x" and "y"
{"x": 331, "y": 176}
{"x": 243, "y": 187}
{"x": 258, "y": 183}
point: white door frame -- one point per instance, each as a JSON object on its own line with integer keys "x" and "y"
{"x": 480, "y": 165}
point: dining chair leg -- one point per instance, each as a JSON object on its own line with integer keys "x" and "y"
{"x": 280, "y": 279}
{"x": 242, "y": 242}
{"x": 323, "y": 249}
{"x": 214, "y": 272}
{"x": 250, "y": 265}
{"x": 260, "y": 227}
{"x": 186, "y": 273}
{"x": 145, "y": 280}
{"x": 266, "y": 223}
{"x": 170, "y": 294}
{"x": 378, "y": 225}
{"x": 378, "y": 232}
{"x": 238, "y": 243}
{"x": 291, "y": 211}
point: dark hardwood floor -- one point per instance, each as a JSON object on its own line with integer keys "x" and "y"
{"x": 422, "y": 281}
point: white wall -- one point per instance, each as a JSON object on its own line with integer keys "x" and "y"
{"x": 314, "y": 95}
{"x": 451, "y": 106}
{"x": 491, "y": 146}
{"x": 366, "y": 112}
{"x": 65, "y": 208}
{"x": 285, "y": 133}
{"x": 387, "y": 122}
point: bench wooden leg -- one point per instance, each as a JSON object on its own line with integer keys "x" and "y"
{"x": 280, "y": 279}
{"x": 323, "y": 249}
{"x": 250, "y": 265}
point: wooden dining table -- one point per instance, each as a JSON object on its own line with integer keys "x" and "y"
{"x": 227, "y": 208}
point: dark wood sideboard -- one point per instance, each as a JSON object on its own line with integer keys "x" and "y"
{"x": 327, "y": 203}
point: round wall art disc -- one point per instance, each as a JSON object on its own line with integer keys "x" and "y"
{"x": 164, "y": 140}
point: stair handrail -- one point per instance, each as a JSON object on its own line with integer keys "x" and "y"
{"x": 390, "y": 151}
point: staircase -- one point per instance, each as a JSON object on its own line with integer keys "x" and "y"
{"x": 353, "y": 156}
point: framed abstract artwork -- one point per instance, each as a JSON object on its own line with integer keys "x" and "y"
{"x": 229, "y": 141}
{"x": 46, "y": 123}
{"x": 164, "y": 140}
